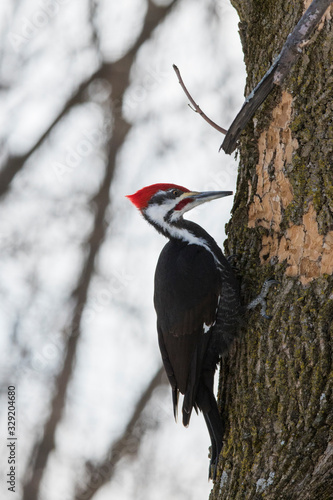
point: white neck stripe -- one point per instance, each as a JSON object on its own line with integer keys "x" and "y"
{"x": 156, "y": 213}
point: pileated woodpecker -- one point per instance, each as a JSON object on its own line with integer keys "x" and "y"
{"x": 197, "y": 302}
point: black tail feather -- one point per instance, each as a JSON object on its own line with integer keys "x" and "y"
{"x": 207, "y": 403}
{"x": 216, "y": 430}
{"x": 175, "y": 394}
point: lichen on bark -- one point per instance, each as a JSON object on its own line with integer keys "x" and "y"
{"x": 276, "y": 385}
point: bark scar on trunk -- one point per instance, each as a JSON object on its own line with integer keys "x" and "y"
{"x": 308, "y": 253}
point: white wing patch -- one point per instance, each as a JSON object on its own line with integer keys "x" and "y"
{"x": 206, "y": 328}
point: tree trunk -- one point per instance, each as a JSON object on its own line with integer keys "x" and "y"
{"x": 276, "y": 385}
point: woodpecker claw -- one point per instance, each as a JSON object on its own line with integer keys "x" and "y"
{"x": 260, "y": 299}
{"x": 232, "y": 259}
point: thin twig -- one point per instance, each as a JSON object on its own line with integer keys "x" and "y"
{"x": 196, "y": 107}
{"x": 277, "y": 73}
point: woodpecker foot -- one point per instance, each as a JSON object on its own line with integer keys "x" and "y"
{"x": 232, "y": 259}
{"x": 260, "y": 299}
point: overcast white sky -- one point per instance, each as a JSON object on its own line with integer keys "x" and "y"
{"x": 45, "y": 219}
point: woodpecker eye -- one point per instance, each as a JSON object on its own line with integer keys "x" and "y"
{"x": 176, "y": 192}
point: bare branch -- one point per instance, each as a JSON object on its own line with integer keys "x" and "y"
{"x": 196, "y": 107}
{"x": 126, "y": 445}
{"x": 15, "y": 163}
{"x": 93, "y": 9}
{"x": 119, "y": 79}
{"x": 277, "y": 73}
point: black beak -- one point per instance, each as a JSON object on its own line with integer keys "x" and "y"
{"x": 210, "y": 195}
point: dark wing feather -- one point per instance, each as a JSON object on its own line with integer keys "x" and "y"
{"x": 187, "y": 289}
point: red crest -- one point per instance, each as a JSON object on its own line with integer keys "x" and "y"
{"x": 141, "y": 198}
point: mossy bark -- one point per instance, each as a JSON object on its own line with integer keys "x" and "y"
{"x": 276, "y": 384}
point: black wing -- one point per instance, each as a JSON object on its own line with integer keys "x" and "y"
{"x": 187, "y": 290}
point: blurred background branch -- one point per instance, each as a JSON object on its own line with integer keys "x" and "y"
{"x": 118, "y": 75}
{"x": 127, "y": 444}
{"x": 91, "y": 111}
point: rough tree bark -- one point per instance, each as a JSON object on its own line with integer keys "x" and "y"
{"x": 276, "y": 385}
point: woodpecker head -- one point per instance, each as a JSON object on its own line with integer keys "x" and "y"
{"x": 163, "y": 205}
